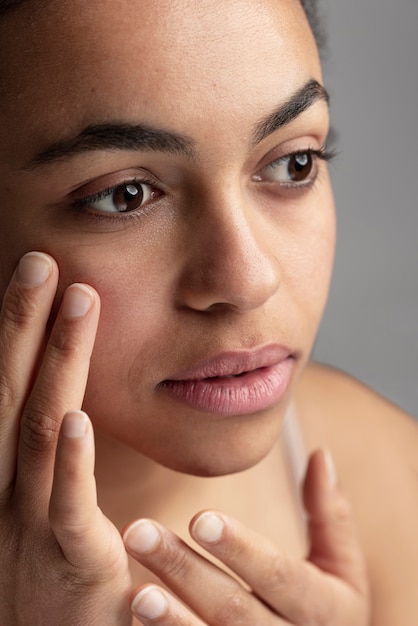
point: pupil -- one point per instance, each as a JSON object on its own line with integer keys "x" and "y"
{"x": 301, "y": 161}
{"x": 131, "y": 192}
{"x": 300, "y": 167}
{"x": 128, "y": 197}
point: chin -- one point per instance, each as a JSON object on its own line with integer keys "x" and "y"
{"x": 215, "y": 458}
{"x": 206, "y": 448}
{"x": 212, "y": 468}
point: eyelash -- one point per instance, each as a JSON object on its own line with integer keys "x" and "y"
{"x": 323, "y": 153}
{"x": 82, "y": 203}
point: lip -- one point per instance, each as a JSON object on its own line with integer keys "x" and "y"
{"x": 234, "y": 383}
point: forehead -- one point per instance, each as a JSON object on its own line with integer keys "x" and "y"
{"x": 82, "y": 63}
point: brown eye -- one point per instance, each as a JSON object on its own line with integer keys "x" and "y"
{"x": 300, "y": 167}
{"x": 292, "y": 170}
{"x": 128, "y": 197}
{"x": 125, "y": 198}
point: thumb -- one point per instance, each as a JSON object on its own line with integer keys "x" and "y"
{"x": 334, "y": 544}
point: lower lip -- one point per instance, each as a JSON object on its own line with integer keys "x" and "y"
{"x": 251, "y": 392}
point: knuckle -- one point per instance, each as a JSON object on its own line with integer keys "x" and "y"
{"x": 175, "y": 565}
{"x": 19, "y": 310}
{"x": 236, "y": 550}
{"x": 7, "y": 396}
{"x": 279, "y": 574}
{"x": 63, "y": 344}
{"x": 39, "y": 430}
{"x": 282, "y": 577}
{"x": 78, "y": 579}
{"x": 233, "y": 609}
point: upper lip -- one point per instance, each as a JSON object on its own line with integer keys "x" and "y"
{"x": 234, "y": 363}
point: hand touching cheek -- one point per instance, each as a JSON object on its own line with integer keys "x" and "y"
{"x": 61, "y": 560}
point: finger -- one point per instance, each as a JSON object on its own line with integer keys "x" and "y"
{"x": 286, "y": 584}
{"x": 25, "y": 310}
{"x": 297, "y": 590}
{"x": 59, "y": 388}
{"x": 211, "y": 593}
{"x": 153, "y": 605}
{"x": 85, "y": 536}
{"x": 334, "y": 544}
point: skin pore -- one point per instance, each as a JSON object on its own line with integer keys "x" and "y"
{"x": 222, "y": 258}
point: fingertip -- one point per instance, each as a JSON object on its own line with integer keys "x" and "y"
{"x": 324, "y": 499}
{"x": 319, "y": 483}
{"x": 141, "y": 537}
{"x": 78, "y": 300}
{"x": 321, "y": 472}
{"x": 150, "y": 603}
{"x": 328, "y": 467}
{"x": 34, "y": 269}
{"x": 207, "y": 527}
{"x": 75, "y": 424}
{"x": 75, "y": 449}
{"x": 73, "y": 500}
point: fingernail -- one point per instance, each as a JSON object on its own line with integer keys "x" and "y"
{"x": 34, "y": 269}
{"x": 330, "y": 468}
{"x": 142, "y": 537}
{"x": 208, "y": 528}
{"x": 150, "y": 603}
{"x": 77, "y": 301}
{"x": 75, "y": 424}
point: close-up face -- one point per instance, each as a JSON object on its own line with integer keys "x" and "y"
{"x": 171, "y": 155}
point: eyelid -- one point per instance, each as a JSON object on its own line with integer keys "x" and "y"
{"x": 295, "y": 144}
{"x": 108, "y": 182}
{"x": 83, "y": 199}
{"x": 321, "y": 153}
{"x": 101, "y": 195}
{"x": 88, "y": 205}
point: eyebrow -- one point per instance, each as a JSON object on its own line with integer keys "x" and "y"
{"x": 138, "y": 137}
{"x": 310, "y": 93}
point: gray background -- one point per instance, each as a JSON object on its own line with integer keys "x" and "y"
{"x": 370, "y": 327}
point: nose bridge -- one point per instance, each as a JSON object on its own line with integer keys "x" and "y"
{"x": 232, "y": 260}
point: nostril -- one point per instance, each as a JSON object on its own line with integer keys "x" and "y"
{"x": 231, "y": 262}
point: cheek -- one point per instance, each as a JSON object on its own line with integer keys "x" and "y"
{"x": 14, "y": 239}
{"x": 135, "y": 312}
{"x": 133, "y": 316}
{"x": 309, "y": 275}
{"x": 320, "y": 257}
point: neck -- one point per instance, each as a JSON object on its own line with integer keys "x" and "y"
{"x": 264, "y": 497}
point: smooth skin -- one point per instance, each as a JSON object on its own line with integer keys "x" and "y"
{"x": 222, "y": 258}
{"x": 50, "y": 484}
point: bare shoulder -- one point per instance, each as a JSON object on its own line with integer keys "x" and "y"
{"x": 375, "y": 447}
{"x": 350, "y": 416}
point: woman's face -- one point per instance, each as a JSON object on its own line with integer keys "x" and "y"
{"x": 145, "y": 145}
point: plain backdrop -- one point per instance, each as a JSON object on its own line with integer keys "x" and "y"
{"x": 370, "y": 327}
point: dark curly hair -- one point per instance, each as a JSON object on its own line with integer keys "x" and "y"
{"x": 310, "y": 7}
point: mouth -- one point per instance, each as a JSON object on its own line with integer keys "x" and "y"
{"x": 234, "y": 383}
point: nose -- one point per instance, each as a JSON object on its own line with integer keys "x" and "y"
{"x": 231, "y": 261}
